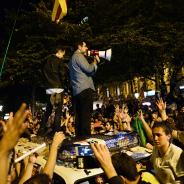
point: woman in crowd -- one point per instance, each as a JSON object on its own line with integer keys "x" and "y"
{"x": 166, "y": 157}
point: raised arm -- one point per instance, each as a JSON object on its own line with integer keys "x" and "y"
{"x": 146, "y": 127}
{"x": 102, "y": 154}
{"x": 179, "y": 135}
{"x": 14, "y": 128}
{"x": 162, "y": 108}
{"x": 29, "y": 169}
{"x": 49, "y": 166}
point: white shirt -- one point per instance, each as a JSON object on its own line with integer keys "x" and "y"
{"x": 168, "y": 168}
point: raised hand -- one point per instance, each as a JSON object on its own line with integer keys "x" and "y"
{"x": 15, "y": 126}
{"x": 140, "y": 115}
{"x": 102, "y": 154}
{"x": 162, "y": 108}
{"x": 58, "y": 139}
{"x": 51, "y": 162}
{"x": 161, "y": 105}
{"x": 3, "y": 124}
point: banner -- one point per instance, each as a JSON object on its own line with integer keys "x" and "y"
{"x": 59, "y": 10}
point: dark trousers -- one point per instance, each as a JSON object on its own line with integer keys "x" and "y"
{"x": 58, "y": 114}
{"x": 43, "y": 128}
{"x": 57, "y": 118}
{"x": 83, "y": 105}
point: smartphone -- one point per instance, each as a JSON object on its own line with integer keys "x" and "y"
{"x": 84, "y": 150}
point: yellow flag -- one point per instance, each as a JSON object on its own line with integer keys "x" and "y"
{"x": 59, "y": 10}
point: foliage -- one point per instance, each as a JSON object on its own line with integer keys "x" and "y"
{"x": 145, "y": 35}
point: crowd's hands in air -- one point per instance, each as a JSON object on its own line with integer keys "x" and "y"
{"x": 140, "y": 115}
{"x": 3, "y": 124}
{"x": 51, "y": 162}
{"x": 103, "y": 155}
{"x": 13, "y": 129}
{"x": 162, "y": 108}
{"x": 58, "y": 139}
{"x": 122, "y": 118}
{"x": 161, "y": 104}
{"x": 147, "y": 129}
{"x": 28, "y": 171}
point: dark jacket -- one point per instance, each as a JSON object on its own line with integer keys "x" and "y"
{"x": 55, "y": 71}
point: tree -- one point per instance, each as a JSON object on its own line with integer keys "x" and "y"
{"x": 146, "y": 36}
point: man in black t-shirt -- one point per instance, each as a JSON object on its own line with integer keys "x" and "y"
{"x": 55, "y": 71}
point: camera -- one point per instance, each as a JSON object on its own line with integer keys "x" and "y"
{"x": 84, "y": 150}
{"x": 85, "y": 158}
{"x": 87, "y": 162}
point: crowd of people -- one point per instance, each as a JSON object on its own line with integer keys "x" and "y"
{"x": 14, "y": 173}
{"x": 160, "y": 128}
{"x": 157, "y": 129}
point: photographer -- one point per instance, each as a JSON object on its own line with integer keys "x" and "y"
{"x": 121, "y": 168}
{"x": 81, "y": 73}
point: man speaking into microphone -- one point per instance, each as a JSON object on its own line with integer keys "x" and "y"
{"x": 81, "y": 73}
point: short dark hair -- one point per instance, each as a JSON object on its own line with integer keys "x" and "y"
{"x": 39, "y": 179}
{"x": 111, "y": 123}
{"x": 164, "y": 125}
{"x": 79, "y": 42}
{"x": 125, "y": 166}
{"x": 59, "y": 48}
